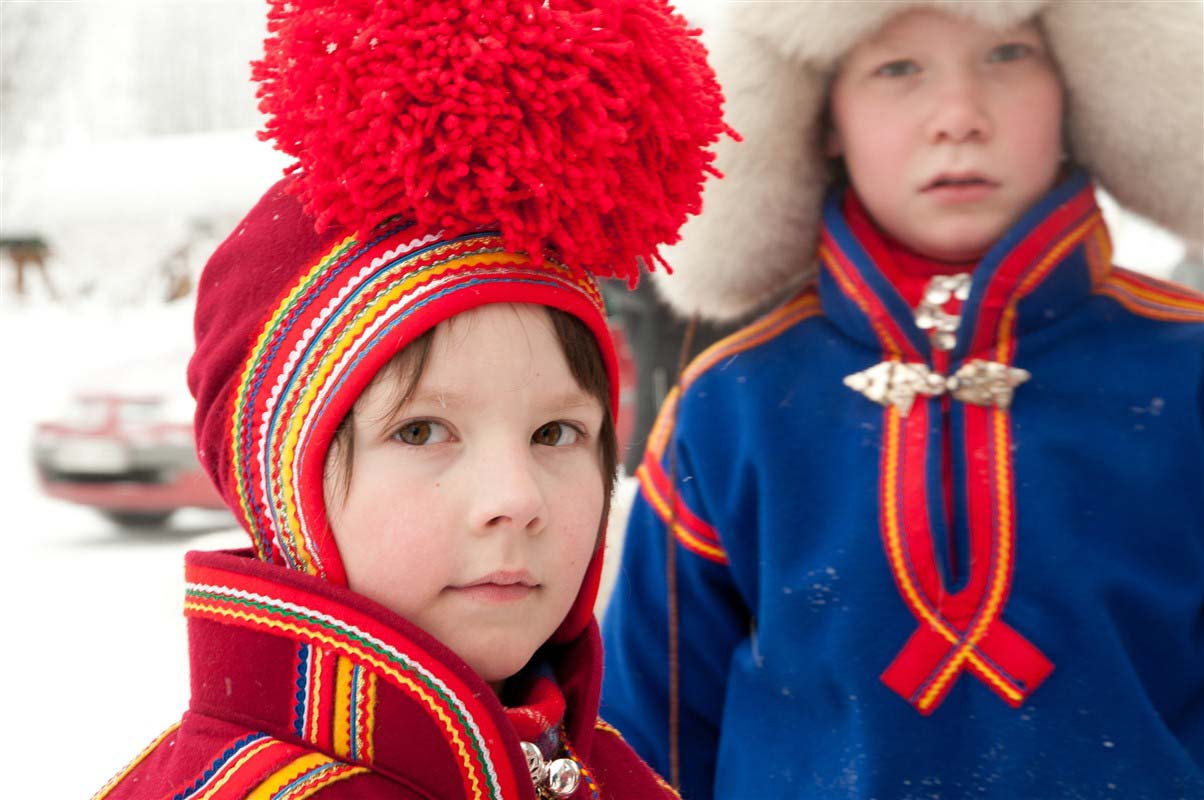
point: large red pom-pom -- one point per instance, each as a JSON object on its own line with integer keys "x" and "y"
{"x": 579, "y": 128}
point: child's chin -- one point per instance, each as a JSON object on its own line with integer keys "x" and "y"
{"x": 498, "y": 664}
{"x": 960, "y": 247}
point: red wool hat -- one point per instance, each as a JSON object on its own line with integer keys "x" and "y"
{"x": 449, "y": 155}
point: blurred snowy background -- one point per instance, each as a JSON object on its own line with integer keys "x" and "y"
{"x": 127, "y": 152}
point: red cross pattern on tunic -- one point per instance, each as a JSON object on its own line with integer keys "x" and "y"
{"x": 962, "y": 631}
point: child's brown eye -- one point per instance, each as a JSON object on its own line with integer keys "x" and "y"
{"x": 554, "y": 434}
{"x": 421, "y": 432}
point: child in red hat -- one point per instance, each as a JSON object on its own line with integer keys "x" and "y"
{"x": 406, "y": 391}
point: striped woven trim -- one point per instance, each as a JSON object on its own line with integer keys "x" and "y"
{"x": 922, "y": 607}
{"x": 1154, "y": 299}
{"x": 893, "y": 340}
{"x": 304, "y": 777}
{"x": 239, "y": 767}
{"x": 448, "y": 711}
{"x": 336, "y": 314}
{"x": 105, "y": 790}
{"x": 354, "y": 712}
{"x": 690, "y": 530}
{"x": 763, "y": 330}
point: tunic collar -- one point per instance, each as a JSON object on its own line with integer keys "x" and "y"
{"x": 305, "y": 660}
{"x": 1039, "y": 271}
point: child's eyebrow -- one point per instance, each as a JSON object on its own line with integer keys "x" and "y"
{"x": 573, "y": 400}
{"x": 442, "y": 398}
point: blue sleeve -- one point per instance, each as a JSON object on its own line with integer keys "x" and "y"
{"x": 712, "y": 619}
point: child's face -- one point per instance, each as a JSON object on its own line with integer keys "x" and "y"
{"x": 473, "y": 509}
{"x": 950, "y": 131}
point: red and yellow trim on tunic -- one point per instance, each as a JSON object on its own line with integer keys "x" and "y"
{"x": 246, "y": 601}
{"x": 335, "y": 706}
{"x": 690, "y": 530}
{"x": 894, "y": 342}
{"x": 1154, "y": 299}
{"x": 354, "y": 711}
{"x": 1074, "y": 223}
{"x": 242, "y": 765}
{"x": 964, "y": 631}
{"x": 303, "y": 777}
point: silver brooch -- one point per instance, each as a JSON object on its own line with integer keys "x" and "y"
{"x": 978, "y": 382}
{"x": 554, "y": 779}
{"x": 930, "y": 314}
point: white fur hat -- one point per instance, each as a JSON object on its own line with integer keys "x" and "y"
{"x": 1134, "y": 73}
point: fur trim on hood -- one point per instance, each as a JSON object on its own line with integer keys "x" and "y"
{"x": 1135, "y": 105}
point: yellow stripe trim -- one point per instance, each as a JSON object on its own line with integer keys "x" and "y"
{"x": 342, "y": 707}
{"x": 287, "y": 774}
{"x": 680, "y": 532}
{"x": 319, "y": 782}
{"x": 837, "y": 271}
{"x": 768, "y": 327}
{"x": 244, "y": 488}
{"x": 1157, "y": 294}
{"x": 899, "y": 567}
{"x": 752, "y": 335}
{"x": 230, "y": 769}
{"x": 1003, "y": 483}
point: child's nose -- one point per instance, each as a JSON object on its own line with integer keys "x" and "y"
{"x": 960, "y": 111}
{"x": 508, "y": 496}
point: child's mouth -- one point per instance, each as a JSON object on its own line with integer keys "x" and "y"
{"x": 957, "y": 188}
{"x": 495, "y": 592}
{"x": 500, "y": 586}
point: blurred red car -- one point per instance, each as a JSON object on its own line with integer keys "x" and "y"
{"x": 123, "y": 444}
{"x": 128, "y": 455}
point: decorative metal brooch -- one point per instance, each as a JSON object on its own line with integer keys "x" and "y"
{"x": 897, "y": 383}
{"x": 555, "y": 779}
{"x": 931, "y": 315}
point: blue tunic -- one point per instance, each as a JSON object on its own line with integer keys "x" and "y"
{"x": 841, "y": 635}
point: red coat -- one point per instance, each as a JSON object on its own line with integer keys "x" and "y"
{"x": 302, "y": 689}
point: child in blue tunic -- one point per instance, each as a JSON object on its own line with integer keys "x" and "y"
{"x": 933, "y": 527}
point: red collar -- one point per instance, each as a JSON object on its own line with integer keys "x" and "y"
{"x": 1039, "y": 271}
{"x": 907, "y": 270}
{"x": 305, "y": 660}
